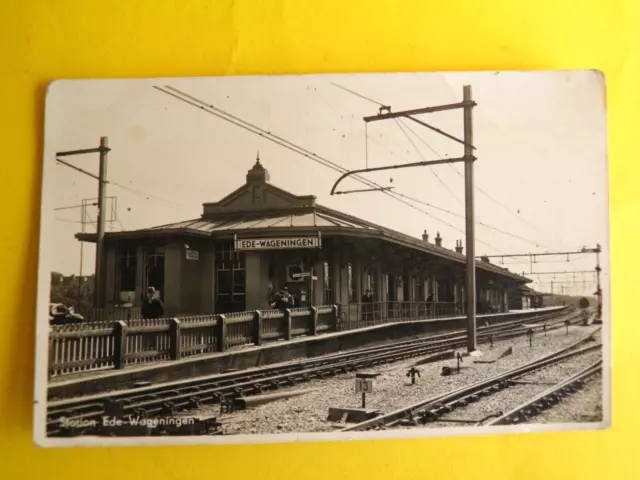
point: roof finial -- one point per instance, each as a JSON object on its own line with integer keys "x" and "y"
{"x": 258, "y": 158}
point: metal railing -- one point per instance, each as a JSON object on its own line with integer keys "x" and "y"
{"x": 360, "y": 315}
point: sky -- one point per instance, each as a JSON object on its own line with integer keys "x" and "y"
{"x": 540, "y": 176}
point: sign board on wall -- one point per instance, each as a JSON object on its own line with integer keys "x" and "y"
{"x": 192, "y": 255}
{"x": 278, "y": 243}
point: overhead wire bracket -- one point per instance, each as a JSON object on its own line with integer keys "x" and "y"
{"x": 393, "y": 167}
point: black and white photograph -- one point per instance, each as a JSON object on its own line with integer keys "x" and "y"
{"x": 258, "y": 259}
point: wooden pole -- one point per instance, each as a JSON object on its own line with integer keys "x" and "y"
{"x": 469, "y": 220}
{"x": 98, "y": 298}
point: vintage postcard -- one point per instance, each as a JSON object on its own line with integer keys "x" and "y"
{"x": 327, "y": 257}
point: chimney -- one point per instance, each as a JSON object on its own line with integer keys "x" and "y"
{"x": 425, "y": 237}
{"x": 438, "y": 240}
{"x": 484, "y": 258}
{"x": 459, "y": 246}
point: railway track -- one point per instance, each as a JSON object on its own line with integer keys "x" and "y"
{"x": 430, "y": 409}
{"x": 170, "y": 398}
{"x": 547, "y": 399}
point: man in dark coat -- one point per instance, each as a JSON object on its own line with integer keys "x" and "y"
{"x": 152, "y": 306}
{"x": 284, "y": 299}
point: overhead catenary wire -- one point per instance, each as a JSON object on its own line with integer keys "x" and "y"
{"x": 402, "y": 125}
{"x": 451, "y": 166}
{"x": 189, "y": 99}
{"x": 462, "y": 176}
{"x": 148, "y": 196}
{"x": 358, "y": 95}
{"x": 430, "y": 167}
{"x": 486, "y": 117}
{"x": 74, "y": 206}
{"x": 504, "y": 232}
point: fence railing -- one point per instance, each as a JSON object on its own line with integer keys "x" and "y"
{"x": 111, "y": 314}
{"x": 115, "y": 344}
{"x": 360, "y": 315}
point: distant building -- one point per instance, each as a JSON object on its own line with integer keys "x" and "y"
{"x": 260, "y": 238}
{"x": 524, "y": 298}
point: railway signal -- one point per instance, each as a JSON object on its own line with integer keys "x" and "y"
{"x": 413, "y": 373}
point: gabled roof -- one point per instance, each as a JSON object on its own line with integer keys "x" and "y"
{"x": 258, "y": 208}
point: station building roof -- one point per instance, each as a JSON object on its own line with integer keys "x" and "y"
{"x": 261, "y": 209}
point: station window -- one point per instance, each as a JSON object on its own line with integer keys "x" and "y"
{"x": 370, "y": 281}
{"x": 352, "y": 292}
{"x": 230, "y": 279}
{"x": 127, "y": 269}
{"x": 329, "y": 285}
{"x": 155, "y": 269}
{"x": 418, "y": 292}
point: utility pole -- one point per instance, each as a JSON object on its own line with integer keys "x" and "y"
{"x": 102, "y": 192}
{"x": 469, "y": 219}
{"x": 598, "y": 290}
{"x": 103, "y": 149}
{"x": 467, "y": 106}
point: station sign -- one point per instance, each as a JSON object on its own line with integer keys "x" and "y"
{"x": 192, "y": 255}
{"x": 304, "y": 275}
{"x": 278, "y": 243}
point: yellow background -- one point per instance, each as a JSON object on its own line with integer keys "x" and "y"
{"x": 42, "y": 40}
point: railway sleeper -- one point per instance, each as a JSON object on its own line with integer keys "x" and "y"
{"x": 258, "y": 387}
{"x": 169, "y": 408}
{"x": 445, "y": 409}
{"x": 168, "y": 393}
{"x": 113, "y": 408}
{"x": 428, "y": 416}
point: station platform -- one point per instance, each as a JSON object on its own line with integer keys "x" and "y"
{"x": 241, "y": 358}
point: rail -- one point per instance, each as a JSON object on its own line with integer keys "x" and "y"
{"x": 116, "y": 344}
{"x": 218, "y": 388}
{"x": 431, "y": 408}
{"x": 548, "y": 398}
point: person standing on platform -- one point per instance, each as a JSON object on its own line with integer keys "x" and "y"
{"x": 430, "y": 305}
{"x": 152, "y": 306}
{"x": 284, "y": 299}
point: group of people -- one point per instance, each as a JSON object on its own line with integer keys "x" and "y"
{"x": 60, "y": 314}
{"x": 283, "y": 299}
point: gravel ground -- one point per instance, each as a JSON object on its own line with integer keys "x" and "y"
{"x": 516, "y": 395}
{"x": 582, "y": 406}
{"x": 392, "y": 389}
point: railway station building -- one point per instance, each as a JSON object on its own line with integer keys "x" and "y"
{"x": 260, "y": 239}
